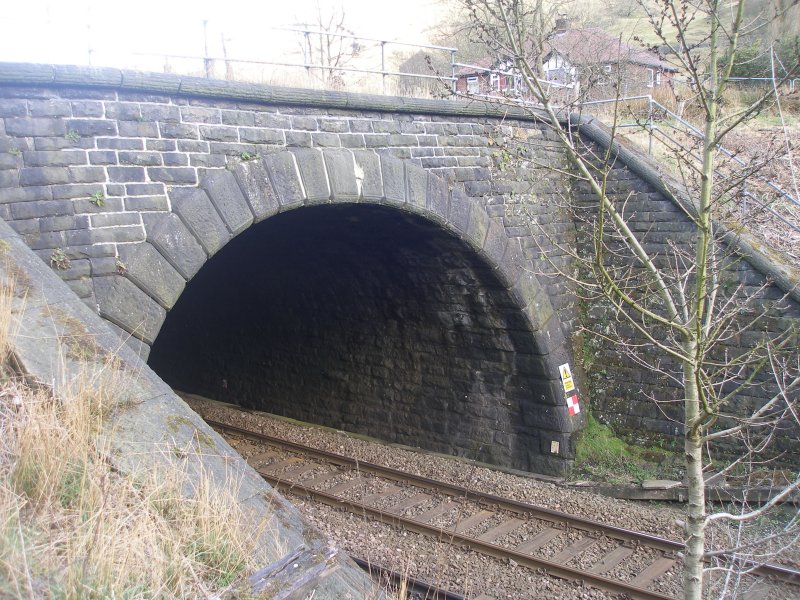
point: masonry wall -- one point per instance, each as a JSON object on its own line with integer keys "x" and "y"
{"x": 92, "y": 172}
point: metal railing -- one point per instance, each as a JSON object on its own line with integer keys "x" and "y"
{"x": 654, "y": 129}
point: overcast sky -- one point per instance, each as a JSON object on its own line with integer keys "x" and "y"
{"x": 64, "y": 31}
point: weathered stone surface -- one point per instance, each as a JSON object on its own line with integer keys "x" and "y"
{"x": 149, "y": 270}
{"x": 438, "y": 198}
{"x": 285, "y": 179}
{"x": 224, "y": 192}
{"x": 368, "y": 174}
{"x": 175, "y": 242}
{"x": 341, "y": 170}
{"x": 394, "y": 180}
{"x": 125, "y": 305}
{"x": 254, "y": 180}
{"x": 313, "y": 175}
{"x": 416, "y": 185}
{"x": 198, "y": 213}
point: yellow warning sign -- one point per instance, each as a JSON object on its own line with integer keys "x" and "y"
{"x": 566, "y": 377}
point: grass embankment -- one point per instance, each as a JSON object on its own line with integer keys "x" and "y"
{"x": 603, "y": 456}
{"x": 73, "y": 527}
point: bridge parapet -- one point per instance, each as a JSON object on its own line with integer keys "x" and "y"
{"x": 139, "y": 179}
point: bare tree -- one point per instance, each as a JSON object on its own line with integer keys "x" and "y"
{"x": 677, "y": 309}
{"x": 329, "y": 45}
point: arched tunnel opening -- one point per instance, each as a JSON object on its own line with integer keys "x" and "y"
{"x": 362, "y": 318}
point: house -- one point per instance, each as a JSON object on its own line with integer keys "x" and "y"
{"x": 588, "y": 63}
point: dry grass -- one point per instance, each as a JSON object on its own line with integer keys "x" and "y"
{"x": 72, "y": 527}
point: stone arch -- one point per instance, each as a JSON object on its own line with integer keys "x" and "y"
{"x": 205, "y": 218}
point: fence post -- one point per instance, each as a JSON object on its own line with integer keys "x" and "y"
{"x": 453, "y": 71}
{"x": 383, "y": 65}
{"x": 650, "y": 125}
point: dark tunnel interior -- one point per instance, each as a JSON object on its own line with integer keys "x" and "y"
{"x": 362, "y": 318}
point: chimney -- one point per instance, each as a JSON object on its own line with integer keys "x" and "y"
{"x": 562, "y": 24}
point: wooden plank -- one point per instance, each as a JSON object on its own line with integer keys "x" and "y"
{"x": 540, "y": 539}
{"x": 372, "y": 498}
{"x": 571, "y": 551}
{"x": 415, "y": 500}
{"x": 259, "y": 459}
{"x": 297, "y": 472}
{"x": 321, "y": 478}
{"x": 501, "y": 530}
{"x": 473, "y": 521}
{"x": 653, "y": 572}
{"x": 347, "y": 485}
{"x": 273, "y": 468}
{"x": 611, "y": 560}
{"x": 431, "y": 514}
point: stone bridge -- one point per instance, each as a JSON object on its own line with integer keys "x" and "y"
{"x": 367, "y": 263}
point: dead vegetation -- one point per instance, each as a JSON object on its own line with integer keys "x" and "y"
{"x": 73, "y": 527}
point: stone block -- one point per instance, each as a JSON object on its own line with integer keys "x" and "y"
{"x": 199, "y": 114}
{"x": 102, "y": 157}
{"x": 394, "y": 181}
{"x": 33, "y": 158}
{"x": 178, "y": 131}
{"x": 114, "y": 219}
{"x": 123, "y": 111}
{"x": 150, "y": 271}
{"x": 175, "y": 242}
{"x": 41, "y": 208}
{"x": 146, "y": 203}
{"x": 478, "y": 227}
{"x": 438, "y": 200}
{"x": 87, "y": 175}
{"x": 494, "y": 247}
{"x": 13, "y": 108}
{"x": 254, "y": 182}
{"x": 128, "y": 307}
{"x": 180, "y": 175}
{"x": 313, "y": 175}
{"x": 224, "y": 192}
{"x": 126, "y": 174}
{"x": 460, "y": 206}
{"x": 34, "y": 127}
{"x": 43, "y": 176}
{"x": 92, "y": 127}
{"x": 256, "y": 135}
{"x": 368, "y": 174}
{"x": 141, "y": 159}
{"x": 285, "y": 179}
{"x": 112, "y": 143}
{"x": 341, "y": 169}
{"x": 219, "y": 133}
{"x": 198, "y": 213}
{"x": 298, "y": 139}
{"x": 164, "y": 113}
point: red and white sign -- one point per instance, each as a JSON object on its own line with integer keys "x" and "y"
{"x": 572, "y": 405}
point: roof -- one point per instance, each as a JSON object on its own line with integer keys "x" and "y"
{"x": 581, "y": 47}
{"x": 591, "y": 46}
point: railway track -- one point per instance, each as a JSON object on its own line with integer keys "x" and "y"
{"x": 563, "y": 545}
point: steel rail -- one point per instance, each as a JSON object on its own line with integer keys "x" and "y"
{"x": 431, "y": 592}
{"x": 554, "y": 516}
{"x": 783, "y": 573}
{"x": 445, "y": 535}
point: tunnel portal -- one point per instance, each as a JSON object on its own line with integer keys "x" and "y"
{"x": 362, "y": 318}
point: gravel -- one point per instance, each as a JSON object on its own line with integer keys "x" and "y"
{"x": 443, "y": 563}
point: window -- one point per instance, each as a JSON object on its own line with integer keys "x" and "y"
{"x": 658, "y": 78}
{"x": 606, "y": 68}
{"x": 472, "y": 85}
{"x": 650, "y": 77}
{"x": 494, "y": 81}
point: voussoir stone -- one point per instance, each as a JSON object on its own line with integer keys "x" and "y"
{"x": 147, "y": 268}
{"x": 198, "y": 213}
{"x": 124, "y": 304}
{"x": 285, "y": 179}
{"x": 175, "y": 242}
{"x": 226, "y": 195}
{"x": 313, "y": 175}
